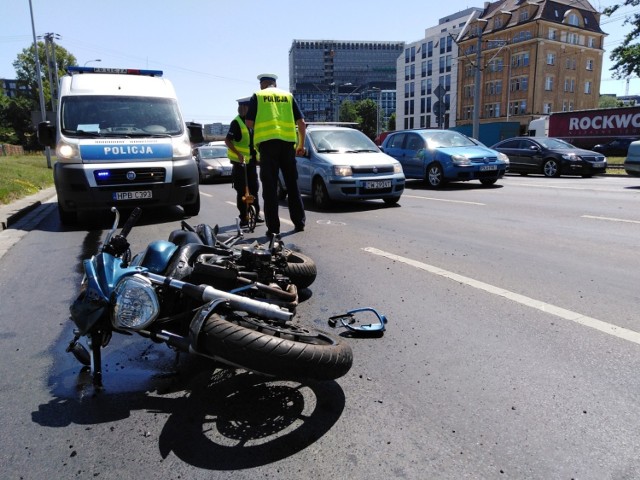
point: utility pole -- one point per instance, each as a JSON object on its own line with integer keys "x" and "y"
{"x": 53, "y": 67}
{"x": 43, "y": 109}
{"x": 478, "y": 85}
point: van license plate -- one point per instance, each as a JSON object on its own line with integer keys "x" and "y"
{"x": 133, "y": 195}
{"x": 487, "y": 168}
{"x": 377, "y": 184}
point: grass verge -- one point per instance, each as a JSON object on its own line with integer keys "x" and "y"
{"x": 23, "y": 175}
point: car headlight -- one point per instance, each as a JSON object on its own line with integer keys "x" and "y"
{"x": 397, "y": 168}
{"x": 572, "y": 157}
{"x": 342, "y": 171}
{"x": 503, "y": 157}
{"x": 181, "y": 147}
{"x": 136, "y": 303}
{"x": 67, "y": 151}
{"x": 460, "y": 160}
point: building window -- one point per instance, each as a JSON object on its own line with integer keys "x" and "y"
{"x": 519, "y": 84}
{"x": 571, "y": 63}
{"x": 430, "y": 49}
{"x": 524, "y": 15}
{"x": 495, "y": 65}
{"x": 467, "y": 91}
{"x": 424, "y": 69}
{"x": 548, "y": 83}
{"x": 553, "y": 33}
{"x": 573, "y": 20}
{"x": 572, "y": 38}
{"x": 551, "y": 58}
{"x": 590, "y": 64}
{"x": 569, "y": 85}
{"x": 429, "y": 68}
{"x": 492, "y": 110}
{"x": 518, "y": 107}
{"x": 429, "y": 86}
{"x": 591, "y": 42}
{"x": 587, "y": 87}
{"x": 546, "y": 108}
{"x": 520, "y": 60}
{"x": 497, "y": 23}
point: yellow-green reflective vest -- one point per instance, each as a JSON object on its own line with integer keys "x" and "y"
{"x": 243, "y": 145}
{"x": 274, "y": 117}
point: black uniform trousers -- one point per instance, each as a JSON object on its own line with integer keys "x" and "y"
{"x": 275, "y": 156}
{"x": 237, "y": 177}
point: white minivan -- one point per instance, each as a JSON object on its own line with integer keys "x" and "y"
{"x": 120, "y": 140}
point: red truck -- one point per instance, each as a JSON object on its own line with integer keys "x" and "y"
{"x": 587, "y": 128}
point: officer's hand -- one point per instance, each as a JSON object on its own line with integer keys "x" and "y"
{"x": 301, "y": 151}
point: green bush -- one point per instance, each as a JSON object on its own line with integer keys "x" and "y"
{"x": 23, "y": 175}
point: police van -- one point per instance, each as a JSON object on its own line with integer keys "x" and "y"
{"x": 120, "y": 140}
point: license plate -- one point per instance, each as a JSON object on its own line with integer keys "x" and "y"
{"x": 377, "y": 184}
{"x": 226, "y": 172}
{"x": 597, "y": 164}
{"x": 138, "y": 195}
{"x": 487, "y": 168}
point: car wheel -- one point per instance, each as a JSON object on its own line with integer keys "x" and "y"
{"x": 67, "y": 218}
{"x": 435, "y": 176}
{"x": 487, "y": 182}
{"x": 551, "y": 168}
{"x": 320, "y": 194}
{"x": 192, "y": 209}
{"x": 391, "y": 201}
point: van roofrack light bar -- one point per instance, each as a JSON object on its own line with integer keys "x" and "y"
{"x": 120, "y": 71}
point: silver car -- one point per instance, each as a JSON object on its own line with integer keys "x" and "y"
{"x": 343, "y": 164}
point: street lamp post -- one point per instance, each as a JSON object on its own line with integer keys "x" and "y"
{"x": 379, "y": 90}
{"x": 89, "y": 61}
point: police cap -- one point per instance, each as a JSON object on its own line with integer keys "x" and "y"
{"x": 243, "y": 101}
{"x": 267, "y": 77}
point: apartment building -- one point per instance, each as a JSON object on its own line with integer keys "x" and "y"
{"x": 534, "y": 57}
{"x": 426, "y": 81}
{"x": 325, "y": 73}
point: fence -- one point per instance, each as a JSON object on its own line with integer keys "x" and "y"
{"x": 6, "y": 150}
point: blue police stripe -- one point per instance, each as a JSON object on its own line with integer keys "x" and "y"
{"x": 126, "y": 152}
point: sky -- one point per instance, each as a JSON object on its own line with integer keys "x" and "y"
{"x": 212, "y": 50}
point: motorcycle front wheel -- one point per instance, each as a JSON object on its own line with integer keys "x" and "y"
{"x": 283, "y": 350}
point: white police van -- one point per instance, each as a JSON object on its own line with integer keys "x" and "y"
{"x": 120, "y": 140}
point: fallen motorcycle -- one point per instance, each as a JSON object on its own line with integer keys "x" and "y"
{"x": 148, "y": 296}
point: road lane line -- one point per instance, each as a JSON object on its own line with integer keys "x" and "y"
{"x": 442, "y": 200}
{"x": 608, "y": 328}
{"x": 610, "y": 219}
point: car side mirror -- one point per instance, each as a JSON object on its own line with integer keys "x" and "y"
{"x": 47, "y": 134}
{"x": 535, "y": 148}
{"x": 195, "y": 132}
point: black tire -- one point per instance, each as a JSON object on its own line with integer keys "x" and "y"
{"x": 301, "y": 270}
{"x": 487, "y": 182}
{"x": 434, "y": 176}
{"x": 251, "y": 218}
{"x": 67, "y": 218}
{"x": 289, "y": 350}
{"x": 391, "y": 201}
{"x": 320, "y": 194}
{"x": 192, "y": 209}
{"x": 551, "y": 168}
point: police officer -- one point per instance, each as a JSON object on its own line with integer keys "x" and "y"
{"x": 239, "y": 152}
{"x": 273, "y": 116}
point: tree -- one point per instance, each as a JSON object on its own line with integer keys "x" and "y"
{"x": 626, "y": 57}
{"x": 607, "y": 101}
{"x": 348, "y": 112}
{"x": 391, "y": 125}
{"x": 368, "y": 112}
{"x": 26, "y": 71}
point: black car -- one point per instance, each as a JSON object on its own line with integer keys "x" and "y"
{"x": 615, "y": 148}
{"x": 551, "y": 157}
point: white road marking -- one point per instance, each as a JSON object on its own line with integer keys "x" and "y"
{"x": 610, "y": 219}
{"x": 442, "y": 199}
{"x": 206, "y": 194}
{"x": 608, "y": 328}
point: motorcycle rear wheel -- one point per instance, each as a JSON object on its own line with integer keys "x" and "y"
{"x": 300, "y": 269}
{"x": 283, "y": 350}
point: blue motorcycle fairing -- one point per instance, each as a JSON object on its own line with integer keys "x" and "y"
{"x": 156, "y": 257}
{"x": 94, "y": 301}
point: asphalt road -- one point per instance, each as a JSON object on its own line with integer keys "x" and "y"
{"x": 512, "y": 348}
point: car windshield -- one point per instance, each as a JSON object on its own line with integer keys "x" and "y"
{"x": 340, "y": 141}
{"x": 107, "y": 115}
{"x": 555, "y": 144}
{"x": 213, "y": 152}
{"x": 446, "y": 139}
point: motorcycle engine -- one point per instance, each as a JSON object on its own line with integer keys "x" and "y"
{"x": 258, "y": 260}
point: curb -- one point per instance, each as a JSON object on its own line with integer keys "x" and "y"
{"x": 11, "y": 213}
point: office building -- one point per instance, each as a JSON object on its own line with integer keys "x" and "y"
{"x": 325, "y": 73}
{"x": 427, "y": 75}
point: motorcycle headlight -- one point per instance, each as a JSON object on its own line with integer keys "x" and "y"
{"x": 136, "y": 303}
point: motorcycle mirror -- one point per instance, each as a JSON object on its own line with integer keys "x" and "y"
{"x": 348, "y": 320}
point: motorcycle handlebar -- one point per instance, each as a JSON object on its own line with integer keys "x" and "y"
{"x": 131, "y": 221}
